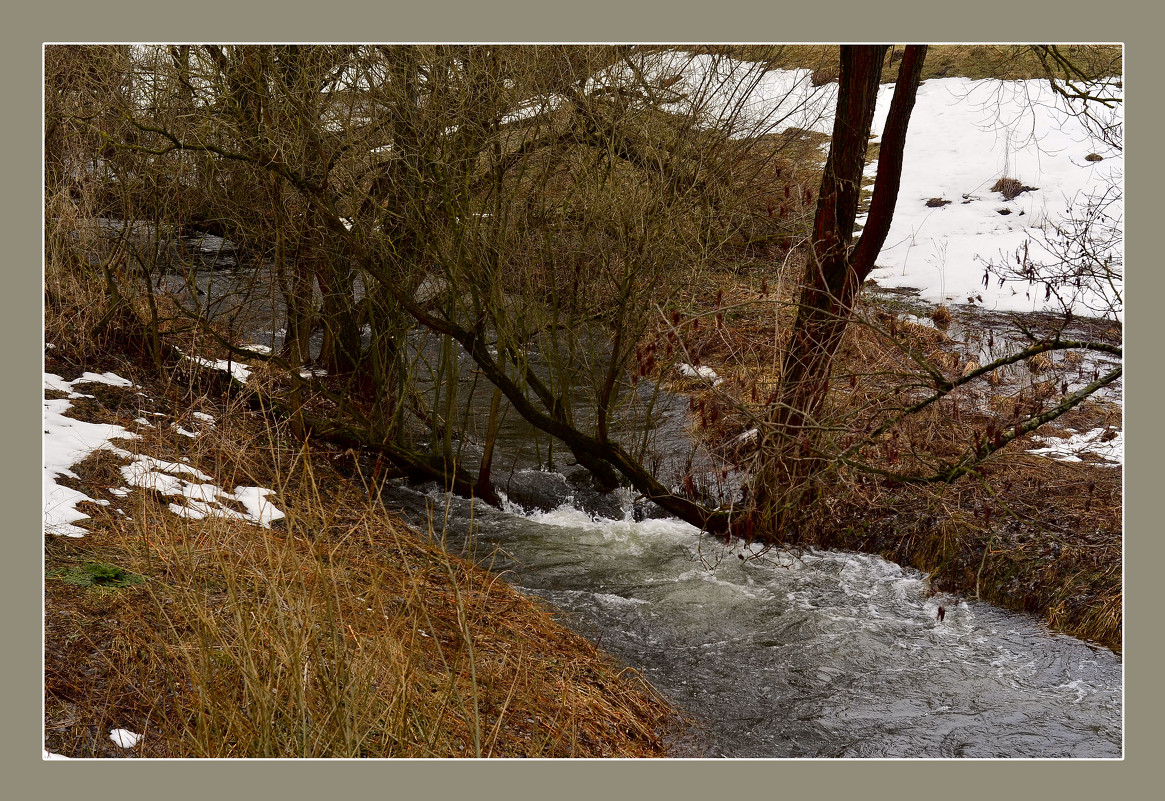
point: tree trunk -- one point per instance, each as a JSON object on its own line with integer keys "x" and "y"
{"x": 340, "y": 350}
{"x": 795, "y": 457}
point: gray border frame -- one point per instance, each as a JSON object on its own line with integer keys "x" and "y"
{"x": 599, "y": 21}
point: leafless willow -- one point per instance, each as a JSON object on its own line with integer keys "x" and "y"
{"x": 517, "y": 223}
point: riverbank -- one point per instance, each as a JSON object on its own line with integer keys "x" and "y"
{"x": 1052, "y": 547}
{"x": 1037, "y": 527}
{"x": 120, "y": 652}
{"x": 221, "y": 582}
{"x": 300, "y": 623}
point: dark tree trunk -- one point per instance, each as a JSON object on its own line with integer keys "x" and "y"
{"x": 484, "y": 487}
{"x": 340, "y": 350}
{"x": 795, "y": 458}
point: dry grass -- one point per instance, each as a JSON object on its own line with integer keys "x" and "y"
{"x": 1010, "y": 188}
{"x": 337, "y": 633}
{"x": 1028, "y": 533}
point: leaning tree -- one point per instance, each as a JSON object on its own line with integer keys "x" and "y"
{"x": 533, "y": 212}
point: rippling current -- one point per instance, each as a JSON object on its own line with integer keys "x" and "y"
{"x": 810, "y": 654}
{"x": 781, "y": 654}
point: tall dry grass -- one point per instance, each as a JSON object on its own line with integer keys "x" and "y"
{"x": 338, "y": 632}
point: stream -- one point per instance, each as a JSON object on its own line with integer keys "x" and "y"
{"x": 776, "y": 653}
{"x": 773, "y": 653}
{"x": 782, "y": 654}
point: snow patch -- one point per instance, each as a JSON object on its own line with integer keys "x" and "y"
{"x": 748, "y": 436}
{"x": 202, "y": 498}
{"x": 67, "y": 442}
{"x": 1070, "y": 449}
{"x": 124, "y": 738}
{"x": 55, "y": 382}
{"x": 702, "y": 371}
{"x": 239, "y": 372}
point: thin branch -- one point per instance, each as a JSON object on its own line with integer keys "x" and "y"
{"x": 945, "y": 386}
{"x": 980, "y": 452}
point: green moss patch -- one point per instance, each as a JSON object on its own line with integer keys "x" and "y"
{"x": 98, "y": 574}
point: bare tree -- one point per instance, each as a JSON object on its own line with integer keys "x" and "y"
{"x": 836, "y": 271}
{"x": 520, "y": 224}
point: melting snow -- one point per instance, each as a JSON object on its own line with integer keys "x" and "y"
{"x": 748, "y": 436}
{"x": 240, "y": 372}
{"x": 202, "y": 498}
{"x": 55, "y": 382}
{"x": 124, "y": 738}
{"x": 1073, "y": 447}
{"x": 704, "y": 372}
{"x": 68, "y": 441}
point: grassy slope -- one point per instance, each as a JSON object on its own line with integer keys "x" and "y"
{"x": 339, "y": 632}
{"x": 306, "y": 640}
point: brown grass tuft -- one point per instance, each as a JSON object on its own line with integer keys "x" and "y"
{"x": 824, "y": 75}
{"x": 1039, "y": 363}
{"x": 1010, "y": 188}
{"x": 337, "y": 633}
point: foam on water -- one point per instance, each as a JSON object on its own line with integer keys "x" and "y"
{"x": 807, "y": 653}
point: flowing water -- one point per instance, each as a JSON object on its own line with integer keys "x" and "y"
{"x": 814, "y": 654}
{"x": 772, "y": 653}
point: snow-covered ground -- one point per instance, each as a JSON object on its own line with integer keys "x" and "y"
{"x": 68, "y": 441}
{"x": 964, "y": 136}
